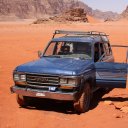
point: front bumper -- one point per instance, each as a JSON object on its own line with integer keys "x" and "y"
{"x": 58, "y": 95}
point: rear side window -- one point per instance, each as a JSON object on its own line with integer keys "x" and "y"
{"x": 107, "y": 49}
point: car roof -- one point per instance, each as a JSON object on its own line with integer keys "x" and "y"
{"x": 78, "y": 36}
{"x": 90, "y": 39}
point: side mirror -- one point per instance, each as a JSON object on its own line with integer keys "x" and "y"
{"x": 39, "y": 54}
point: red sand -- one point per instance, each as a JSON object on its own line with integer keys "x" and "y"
{"x": 19, "y": 43}
{"x": 92, "y": 19}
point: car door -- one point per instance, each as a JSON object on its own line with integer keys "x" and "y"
{"x": 111, "y": 75}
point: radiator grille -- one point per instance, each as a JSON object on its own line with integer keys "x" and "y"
{"x": 42, "y": 80}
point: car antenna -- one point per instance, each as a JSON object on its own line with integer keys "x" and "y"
{"x": 127, "y": 56}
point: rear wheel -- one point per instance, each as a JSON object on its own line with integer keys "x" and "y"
{"x": 22, "y": 100}
{"x": 82, "y": 105}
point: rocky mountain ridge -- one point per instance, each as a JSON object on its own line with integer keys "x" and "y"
{"x": 125, "y": 13}
{"x": 27, "y": 9}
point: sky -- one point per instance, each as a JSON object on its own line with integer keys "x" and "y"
{"x": 108, "y": 5}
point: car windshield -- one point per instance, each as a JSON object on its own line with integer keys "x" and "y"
{"x": 81, "y": 50}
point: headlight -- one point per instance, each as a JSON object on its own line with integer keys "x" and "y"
{"x": 16, "y": 77}
{"x": 63, "y": 80}
{"x": 23, "y": 77}
{"x": 19, "y": 77}
{"x": 70, "y": 81}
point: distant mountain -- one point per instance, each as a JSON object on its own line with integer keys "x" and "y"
{"x": 26, "y": 9}
{"x": 105, "y": 15}
{"x": 37, "y": 8}
{"x": 125, "y": 13}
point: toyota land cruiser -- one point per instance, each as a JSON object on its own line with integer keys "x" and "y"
{"x": 71, "y": 68}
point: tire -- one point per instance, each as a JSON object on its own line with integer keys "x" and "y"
{"x": 82, "y": 105}
{"x": 21, "y": 100}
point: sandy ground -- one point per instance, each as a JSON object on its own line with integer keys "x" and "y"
{"x": 19, "y": 43}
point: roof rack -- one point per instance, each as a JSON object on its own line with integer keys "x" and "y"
{"x": 95, "y": 33}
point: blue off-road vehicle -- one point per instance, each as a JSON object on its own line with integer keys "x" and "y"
{"x": 71, "y": 68}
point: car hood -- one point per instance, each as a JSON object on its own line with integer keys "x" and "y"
{"x": 61, "y": 66}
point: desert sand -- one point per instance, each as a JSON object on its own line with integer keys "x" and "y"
{"x": 19, "y": 43}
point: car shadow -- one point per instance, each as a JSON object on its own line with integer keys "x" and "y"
{"x": 64, "y": 107}
{"x": 116, "y": 99}
{"x": 97, "y": 97}
{"x": 51, "y": 105}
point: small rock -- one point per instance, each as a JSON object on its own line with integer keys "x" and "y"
{"x": 118, "y": 116}
{"x": 108, "y": 102}
{"x": 119, "y": 105}
{"x": 124, "y": 109}
{"x": 39, "y": 21}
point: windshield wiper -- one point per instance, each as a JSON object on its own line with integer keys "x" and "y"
{"x": 82, "y": 58}
{"x": 52, "y": 56}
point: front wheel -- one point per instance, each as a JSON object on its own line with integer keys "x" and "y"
{"x": 21, "y": 100}
{"x": 82, "y": 105}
